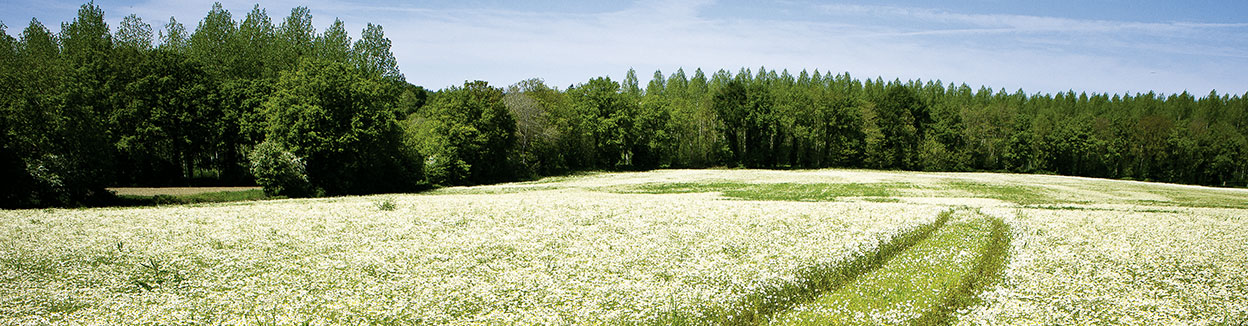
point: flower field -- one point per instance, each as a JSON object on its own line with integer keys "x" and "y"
{"x": 650, "y": 248}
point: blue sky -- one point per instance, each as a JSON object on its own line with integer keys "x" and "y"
{"x": 1111, "y": 46}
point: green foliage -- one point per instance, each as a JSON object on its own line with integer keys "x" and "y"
{"x": 165, "y": 118}
{"x": 280, "y": 172}
{"x": 467, "y": 134}
{"x": 83, "y": 109}
{"x": 372, "y": 54}
{"x": 530, "y": 103}
{"x": 174, "y": 38}
{"x": 342, "y": 121}
{"x": 212, "y": 42}
{"x": 295, "y": 36}
{"x": 694, "y": 140}
{"x": 334, "y": 44}
{"x": 134, "y": 33}
{"x": 600, "y": 123}
{"x": 54, "y": 113}
{"x": 243, "y": 124}
{"x": 730, "y": 104}
{"x": 933, "y": 155}
{"x": 630, "y": 85}
{"x": 900, "y": 127}
{"x": 751, "y": 124}
{"x": 251, "y": 44}
{"x": 153, "y": 274}
{"x": 88, "y": 109}
{"x": 411, "y": 99}
{"x": 386, "y": 204}
{"x": 648, "y": 139}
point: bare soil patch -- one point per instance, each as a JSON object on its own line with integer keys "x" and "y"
{"x": 173, "y": 191}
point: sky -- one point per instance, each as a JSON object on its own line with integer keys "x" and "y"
{"x": 1102, "y": 46}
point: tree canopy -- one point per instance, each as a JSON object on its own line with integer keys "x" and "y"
{"x": 88, "y": 107}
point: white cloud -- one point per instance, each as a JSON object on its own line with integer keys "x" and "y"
{"x": 1023, "y": 22}
{"x": 444, "y": 47}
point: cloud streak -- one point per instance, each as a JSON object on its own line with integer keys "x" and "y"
{"x": 1025, "y": 23}
{"x": 439, "y": 46}
{"x": 1043, "y": 54}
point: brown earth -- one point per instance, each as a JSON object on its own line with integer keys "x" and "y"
{"x": 173, "y": 191}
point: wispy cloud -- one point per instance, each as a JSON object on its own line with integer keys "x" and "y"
{"x": 1025, "y": 23}
{"x": 1008, "y": 51}
{"x": 440, "y": 46}
{"x": 1182, "y": 38}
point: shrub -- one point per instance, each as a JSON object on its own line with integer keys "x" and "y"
{"x": 56, "y": 180}
{"x": 280, "y": 172}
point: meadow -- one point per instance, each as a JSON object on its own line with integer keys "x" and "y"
{"x": 685, "y": 247}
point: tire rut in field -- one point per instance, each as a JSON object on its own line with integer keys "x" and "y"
{"x": 987, "y": 271}
{"x": 923, "y": 285}
{"x": 815, "y": 280}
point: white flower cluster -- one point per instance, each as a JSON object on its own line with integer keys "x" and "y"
{"x": 1135, "y": 266}
{"x": 557, "y": 251}
{"x": 534, "y": 257}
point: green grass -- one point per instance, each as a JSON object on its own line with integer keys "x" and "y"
{"x": 814, "y": 281}
{"x": 386, "y": 204}
{"x": 209, "y": 197}
{"x": 1197, "y": 198}
{"x": 771, "y": 191}
{"x": 919, "y": 286}
{"x": 987, "y": 271}
{"x": 1022, "y": 195}
{"x": 1170, "y": 195}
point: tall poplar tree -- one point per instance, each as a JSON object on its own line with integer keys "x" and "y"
{"x": 334, "y": 44}
{"x": 174, "y": 38}
{"x": 213, "y": 42}
{"x": 134, "y": 33}
{"x": 372, "y": 54}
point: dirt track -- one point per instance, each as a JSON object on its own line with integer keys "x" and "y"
{"x": 173, "y": 191}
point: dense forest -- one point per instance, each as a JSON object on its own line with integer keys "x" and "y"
{"x": 302, "y": 113}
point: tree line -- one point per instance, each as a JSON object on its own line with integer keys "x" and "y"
{"x": 770, "y": 119}
{"x": 90, "y": 107}
{"x": 302, "y": 113}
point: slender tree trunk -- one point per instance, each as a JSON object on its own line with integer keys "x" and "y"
{"x": 190, "y": 166}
